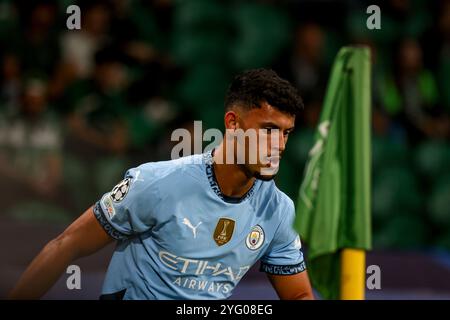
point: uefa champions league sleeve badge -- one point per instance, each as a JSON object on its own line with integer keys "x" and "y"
{"x": 119, "y": 192}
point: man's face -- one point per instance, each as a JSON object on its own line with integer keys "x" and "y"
{"x": 271, "y": 128}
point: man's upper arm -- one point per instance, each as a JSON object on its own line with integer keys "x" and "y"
{"x": 292, "y": 287}
{"x": 128, "y": 209}
{"x": 284, "y": 255}
{"x": 85, "y": 235}
{"x": 284, "y": 262}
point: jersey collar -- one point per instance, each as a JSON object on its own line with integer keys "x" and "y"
{"x": 209, "y": 160}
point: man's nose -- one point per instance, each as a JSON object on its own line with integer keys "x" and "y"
{"x": 281, "y": 142}
{"x": 278, "y": 143}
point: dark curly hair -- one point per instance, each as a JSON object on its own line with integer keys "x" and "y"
{"x": 250, "y": 88}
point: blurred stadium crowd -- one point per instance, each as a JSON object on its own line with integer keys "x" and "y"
{"x": 78, "y": 107}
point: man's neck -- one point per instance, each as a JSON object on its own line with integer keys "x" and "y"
{"x": 232, "y": 179}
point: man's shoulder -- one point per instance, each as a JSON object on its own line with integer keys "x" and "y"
{"x": 152, "y": 171}
{"x": 278, "y": 200}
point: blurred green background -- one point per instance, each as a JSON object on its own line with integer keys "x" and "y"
{"x": 79, "y": 107}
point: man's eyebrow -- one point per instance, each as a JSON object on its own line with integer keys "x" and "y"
{"x": 275, "y": 126}
{"x": 270, "y": 124}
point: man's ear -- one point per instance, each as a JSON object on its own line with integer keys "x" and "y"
{"x": 231, "y": 120}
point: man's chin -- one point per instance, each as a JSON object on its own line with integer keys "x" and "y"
{"x": 264, "y": 177}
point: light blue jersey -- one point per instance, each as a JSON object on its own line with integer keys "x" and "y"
{"x": 179, "y": 237}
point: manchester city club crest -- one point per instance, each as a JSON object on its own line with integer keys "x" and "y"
{"x": 255, "y": 238}
{"x": 120, "y": 190}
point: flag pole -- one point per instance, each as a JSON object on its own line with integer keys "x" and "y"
{"x": 353, "y": 271}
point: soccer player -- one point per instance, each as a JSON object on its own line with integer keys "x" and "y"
{"x": 190, "y": 228}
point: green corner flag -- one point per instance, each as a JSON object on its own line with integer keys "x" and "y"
{"x": 333, "y": 209}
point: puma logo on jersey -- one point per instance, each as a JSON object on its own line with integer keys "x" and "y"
{"x": 189, "y": 224}
{"x": 136, "y": 178}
